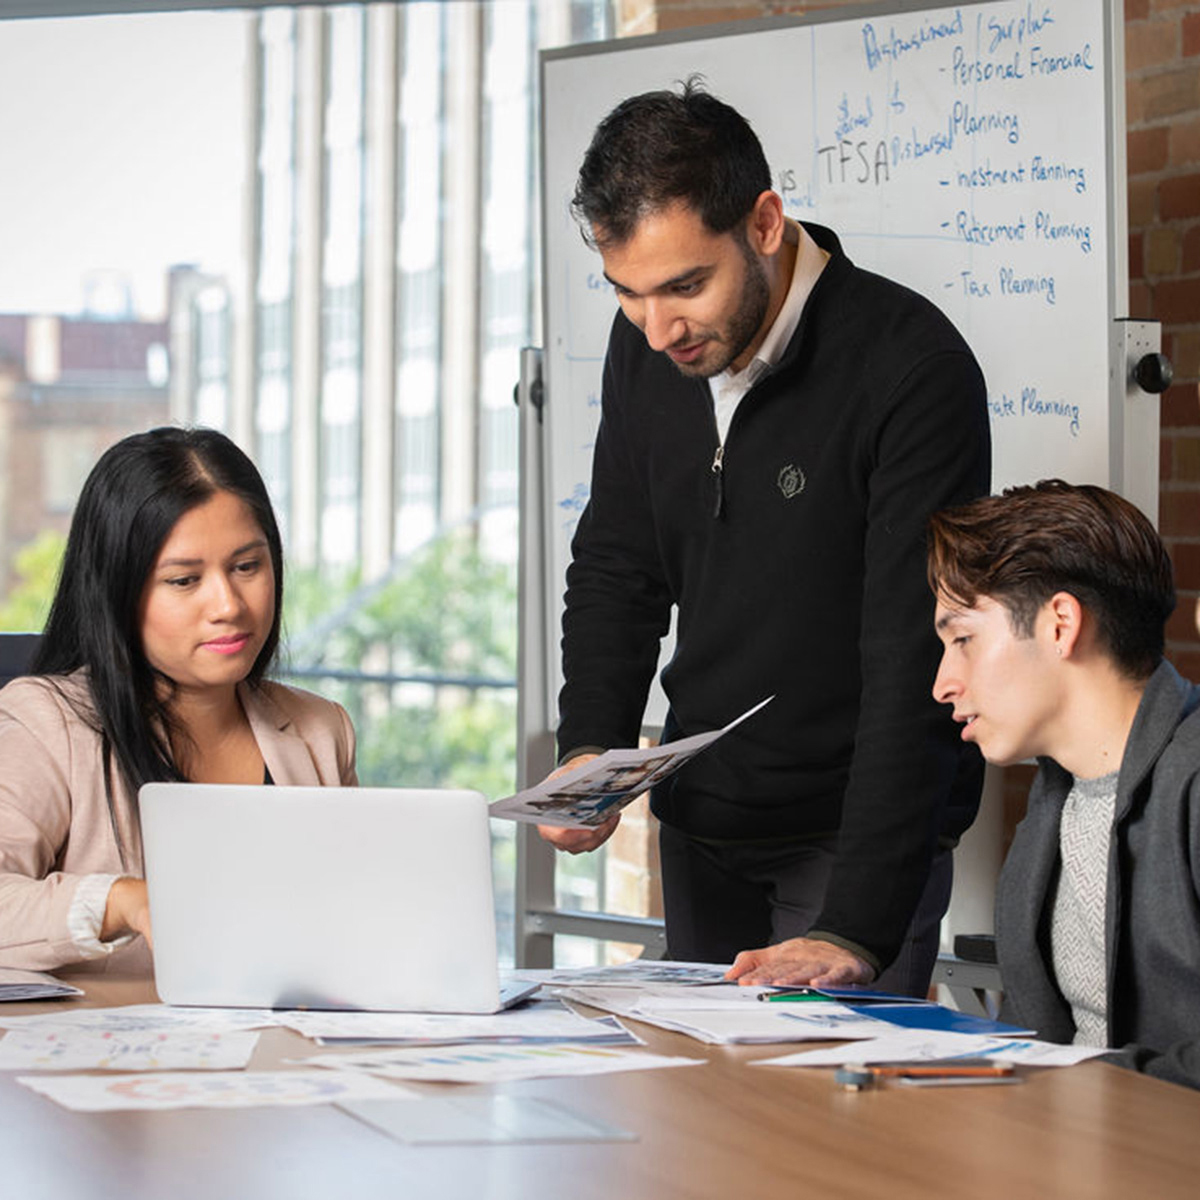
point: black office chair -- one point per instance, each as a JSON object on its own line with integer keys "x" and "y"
{"x": 16, "y": 654}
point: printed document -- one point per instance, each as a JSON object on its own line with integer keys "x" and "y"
{"x": 492, "y": 1064}
{"x": 917, "y": 1045}
{"x": 57, "y": 1050}
{"x": 208, "y": 1089}
{"x": 19, "y": 986}
{"x": 591, "y": 794}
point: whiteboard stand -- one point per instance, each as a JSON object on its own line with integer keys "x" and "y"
{"x": 534, "y": 889}
{"x": 536, "y": 913}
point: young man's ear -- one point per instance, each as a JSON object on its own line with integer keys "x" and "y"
{"x": 1063, "y": 617}
{"x": 765, "y": 224}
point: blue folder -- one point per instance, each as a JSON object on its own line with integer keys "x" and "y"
{"x": 934, "y": 1016}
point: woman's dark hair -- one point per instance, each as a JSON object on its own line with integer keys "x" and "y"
{"x": 658, "y": 148}
{"x": 129, "y": 504}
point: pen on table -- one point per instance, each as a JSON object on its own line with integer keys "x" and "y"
{"x": 794, "y": 996}
{"x": 855, "y": 1076}
{"x": 978, "y": 1070}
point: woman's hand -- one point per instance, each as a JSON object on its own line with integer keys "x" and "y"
{"x": 127, "y": 910}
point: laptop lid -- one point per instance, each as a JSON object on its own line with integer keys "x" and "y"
{"x": 321, "y": 897}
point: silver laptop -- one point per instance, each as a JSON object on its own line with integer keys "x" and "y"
{"x": 314, "y": 897}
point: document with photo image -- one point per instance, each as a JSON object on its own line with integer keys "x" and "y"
{"x": 590, "y": 794}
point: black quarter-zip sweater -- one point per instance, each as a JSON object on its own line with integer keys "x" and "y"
{"x": 798, "y": 569}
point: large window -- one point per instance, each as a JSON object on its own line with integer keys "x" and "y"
{"x": 420, "y": 272}
{"x": 274, "y": 226}
{"x": 343, "y": 167}
{"x": 313, "y": 228}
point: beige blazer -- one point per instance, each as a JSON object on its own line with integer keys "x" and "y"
{"x": 55, "y": 825}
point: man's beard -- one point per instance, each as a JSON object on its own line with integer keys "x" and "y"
{"x": 743, "y": 325}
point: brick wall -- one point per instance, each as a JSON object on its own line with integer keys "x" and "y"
{"x": 1162, "y": 98}
{"x": 660, "y": 16}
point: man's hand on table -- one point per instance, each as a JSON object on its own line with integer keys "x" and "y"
{"x": 800, "y": 961}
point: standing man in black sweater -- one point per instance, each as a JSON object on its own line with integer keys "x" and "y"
{"x": 776, "y": 427}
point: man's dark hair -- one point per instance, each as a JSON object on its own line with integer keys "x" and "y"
{"x": 661, "y": 147}
{"x": 1022, "y": 547}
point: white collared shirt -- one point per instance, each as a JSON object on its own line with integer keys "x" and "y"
{"x": 729, "y": 387}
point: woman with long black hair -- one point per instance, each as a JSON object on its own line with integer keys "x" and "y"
{"x": 152, "y": 666}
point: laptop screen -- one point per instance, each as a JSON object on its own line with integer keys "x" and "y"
{"x": 347, "y": 898}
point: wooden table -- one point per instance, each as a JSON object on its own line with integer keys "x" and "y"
{"x": 723, "y": 1130}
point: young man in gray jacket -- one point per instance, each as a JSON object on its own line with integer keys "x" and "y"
{"x": 1051, "y": 606}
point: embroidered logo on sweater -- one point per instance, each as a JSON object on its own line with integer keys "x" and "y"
{"x": 791, "y": 481}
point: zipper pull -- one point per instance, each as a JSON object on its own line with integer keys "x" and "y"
{"x": 718, "y": 460}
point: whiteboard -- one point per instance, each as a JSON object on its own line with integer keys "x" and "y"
{"x": 973, "y": 152}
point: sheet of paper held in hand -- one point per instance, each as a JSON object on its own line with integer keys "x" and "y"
{"x": 591, "y": 794}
